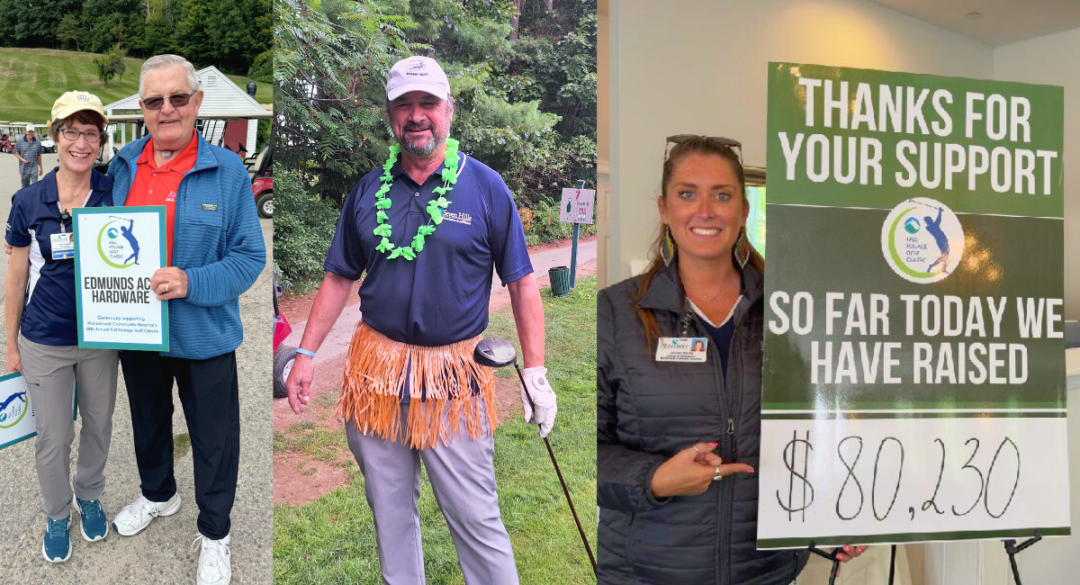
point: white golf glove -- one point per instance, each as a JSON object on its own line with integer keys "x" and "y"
{"x": 543, "y": 398}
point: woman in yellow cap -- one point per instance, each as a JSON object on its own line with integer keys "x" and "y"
{"x": 41, "y": 273}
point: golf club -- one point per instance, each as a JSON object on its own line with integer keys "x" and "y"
{"x": 497, "y": 353}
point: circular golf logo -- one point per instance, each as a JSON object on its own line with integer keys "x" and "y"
{"x": 922, "y": 240}
{"x": 12, "y": 409}
{"x": 118, "y": 247}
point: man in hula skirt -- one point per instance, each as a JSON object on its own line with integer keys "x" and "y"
{"x": 427, "y": 228}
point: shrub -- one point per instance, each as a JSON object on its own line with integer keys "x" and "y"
{"x": 262, "y": 70}
{"x": 527, "y": 216}
{"x": 303, "y": 229}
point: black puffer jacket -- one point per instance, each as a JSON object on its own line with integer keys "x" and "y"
{"x": 646, "y": 412}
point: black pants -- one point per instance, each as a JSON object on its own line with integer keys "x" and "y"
{"x": 209, "y": 393}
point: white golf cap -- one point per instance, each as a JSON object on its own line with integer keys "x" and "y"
{"x": 417, "y": 74}
{"x": 30, "y": 128}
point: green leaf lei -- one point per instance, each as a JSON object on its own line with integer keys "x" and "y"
{"x": 434, "y": 209}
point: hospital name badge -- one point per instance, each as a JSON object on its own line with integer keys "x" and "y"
{"x": 682, "y": 349}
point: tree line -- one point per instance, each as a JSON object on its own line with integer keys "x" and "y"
{"x": 523, "y": 73}
{"x": 236, "y": 36}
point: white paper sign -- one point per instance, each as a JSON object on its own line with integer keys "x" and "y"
{"x": 577, "y": 206}
{"x": 16, "y": 413}
{"x": 117, "y": 250}
{"x": 17, "y": 410}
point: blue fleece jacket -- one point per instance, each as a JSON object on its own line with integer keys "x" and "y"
{"x": 217, "y": 242}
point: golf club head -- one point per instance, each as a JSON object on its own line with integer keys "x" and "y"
{"x": 494, "y": 353}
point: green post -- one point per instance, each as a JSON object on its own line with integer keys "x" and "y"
{"x": 573, "y": 249}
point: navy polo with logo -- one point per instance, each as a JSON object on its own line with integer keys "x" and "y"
{"x": 49, "y": 315}
{"x": 441, "y": 296}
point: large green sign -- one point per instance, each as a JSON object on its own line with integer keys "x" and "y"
{"x": 914, "y": 383}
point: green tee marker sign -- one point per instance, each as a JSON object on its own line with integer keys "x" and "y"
{"x": 914, "y": 369}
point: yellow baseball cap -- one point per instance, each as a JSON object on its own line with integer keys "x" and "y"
{"x": 73, "y": 101}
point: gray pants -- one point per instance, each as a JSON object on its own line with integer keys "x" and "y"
{"x": 51, "y": 375}
{"x": 462, "y": 477}
{"x": 29, "y": 179}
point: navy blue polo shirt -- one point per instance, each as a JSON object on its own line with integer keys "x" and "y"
{"x": 440, "y": 297}
{"x": 49, "y": 315}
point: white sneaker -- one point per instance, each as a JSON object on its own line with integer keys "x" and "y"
{"x": 136, "y": 517}
{"x": 215, "y": 568}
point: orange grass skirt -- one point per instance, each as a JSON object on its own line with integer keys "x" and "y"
{"x": 375, "y": 375}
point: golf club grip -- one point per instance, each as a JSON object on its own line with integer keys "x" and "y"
{"x": 524, "y": 386}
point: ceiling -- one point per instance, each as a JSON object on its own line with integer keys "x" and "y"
{"x": 1002, "y": 21}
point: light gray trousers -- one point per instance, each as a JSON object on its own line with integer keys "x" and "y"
{"x": 51, "y": 374}
{"x": 462, "y": 477}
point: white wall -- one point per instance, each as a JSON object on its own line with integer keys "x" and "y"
{"x": 699, "y": 66}
{"x": 1055, "y": 60}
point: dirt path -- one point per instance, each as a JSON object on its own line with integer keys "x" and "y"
{"x": 299, "y": 478}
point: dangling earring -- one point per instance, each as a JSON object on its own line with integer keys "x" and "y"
{"x": 742, "y": 249}
{"x": 667, "y": 247}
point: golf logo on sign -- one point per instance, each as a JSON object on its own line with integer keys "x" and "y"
{"x": 12, "y": 410}
{"x": 118, "y": 247}
{"x": 922, "y": 240}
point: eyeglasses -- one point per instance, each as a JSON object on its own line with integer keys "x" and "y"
{"x": 92, "y": 137}
{"x": 712, "y": 140}
{"x": 177, "y": 101}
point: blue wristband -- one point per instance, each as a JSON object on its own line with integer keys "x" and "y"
{"x": 302, "y": 351}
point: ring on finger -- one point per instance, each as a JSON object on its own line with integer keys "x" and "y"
{"x": 166, "y": 287}
{"x": 717, "y": 477}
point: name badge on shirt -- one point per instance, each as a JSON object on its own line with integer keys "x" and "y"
{"x": 63, "y": 246}
{"x": 682, "y": 349}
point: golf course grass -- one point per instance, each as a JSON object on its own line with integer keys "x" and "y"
{"x": 32, "y": 79}
{"x": 332, "y": 540}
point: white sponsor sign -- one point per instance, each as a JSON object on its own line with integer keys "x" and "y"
{"x": 16, "y": 413}
{"x": 17, "y": 410}
{"x": 117, "y": 251}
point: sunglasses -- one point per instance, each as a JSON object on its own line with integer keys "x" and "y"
{"x": 177, "y": 101}
{"x": 712, "y": 140}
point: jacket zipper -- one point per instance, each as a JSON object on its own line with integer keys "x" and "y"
{"x": 722, "y": 532}
{"x": 733, "y": 402}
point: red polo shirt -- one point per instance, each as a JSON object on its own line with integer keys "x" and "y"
{"x": 156, "y": 185}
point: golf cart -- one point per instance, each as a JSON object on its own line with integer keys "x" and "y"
{"x": 12, "y": 132}
{"x": 261, "y": 170}
{"x": 284, "y": 355}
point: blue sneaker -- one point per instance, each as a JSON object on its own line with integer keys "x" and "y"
{"x": 57, "y": 545}
{"x": 92, "y": 521}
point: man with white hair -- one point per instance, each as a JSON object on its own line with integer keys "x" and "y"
{"x": 28, "y": 151}
{"x": 427, "y": 229}
{"x": 214, "y": 253}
